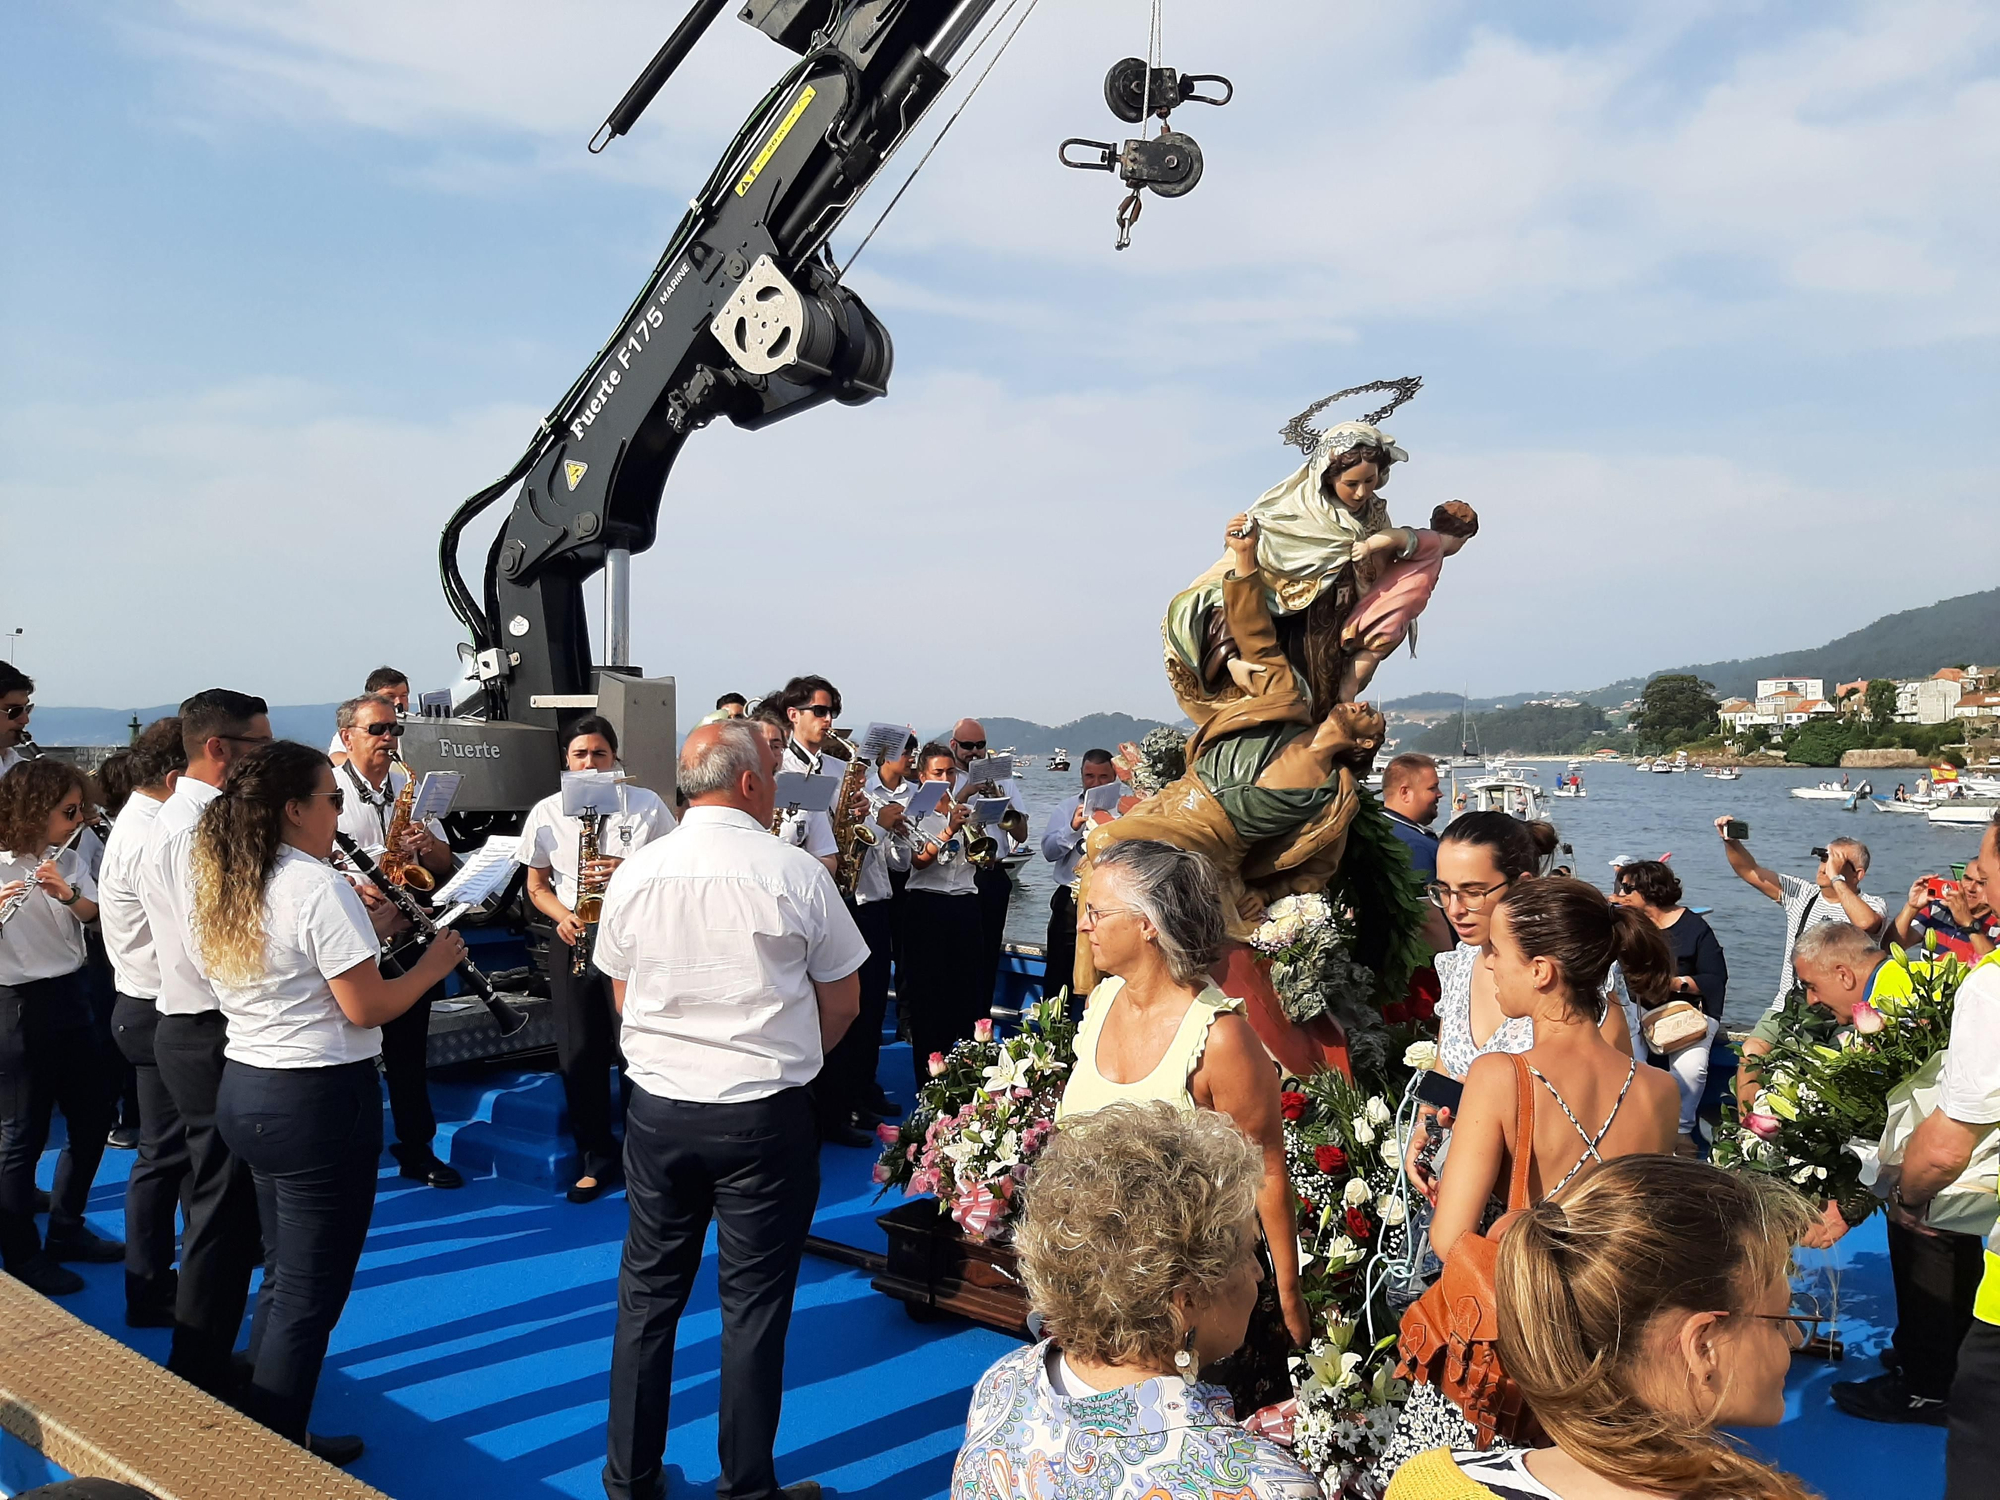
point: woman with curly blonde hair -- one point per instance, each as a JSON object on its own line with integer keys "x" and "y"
{"x": 1639, "y": 1315}
{"x": 1138, "y": 1249}
{"x": 48, "y": 1051}
{"x": 288, "y": 948}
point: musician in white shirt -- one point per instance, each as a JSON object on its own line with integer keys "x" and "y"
{"x": 383, "y": 682}
{"x": 48, "y": 1051}
{"x": 291, "y": 955}
{"x": 222, "y": 1241}
{"x": 586, "y": 1025}
{"x": 1062, "y": 847}
{"x": 810, "y": 831}
{"x": 153, "y": 1188}
{"x": 734, "y": 964}
{"x": 17, "y": 690}
{"x": 994, "y": 885}
{"x": 937, "y": 986}
{"x": 370, "y": 729}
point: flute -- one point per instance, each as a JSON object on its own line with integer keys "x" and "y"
{"x": 505, "y": 1016}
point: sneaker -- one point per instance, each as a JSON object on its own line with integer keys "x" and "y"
{"x": 338, "y": 1449}
{"x": 46, "y": 1277}
{"x": 1885, "y": 1399}
{"x": 81, "y": 1244}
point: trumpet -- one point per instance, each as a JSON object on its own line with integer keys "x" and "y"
{"x": 505, "y": 1016}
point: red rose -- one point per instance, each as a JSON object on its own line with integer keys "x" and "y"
{"x": 1426, "y": 1008}
{"x": 1330, "y": 1159}
{"x": 1396, "y": 1014}
{"x": 1359, "y": 1228}
{"x": 1293, "y": 1104}
{"x": 1423, "y": 996}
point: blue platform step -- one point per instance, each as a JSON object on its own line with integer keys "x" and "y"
{"x": 516, "y": 1126}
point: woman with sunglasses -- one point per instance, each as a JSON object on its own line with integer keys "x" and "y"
{"x": 48, "y": 1051}
{"x": 586, "y": 1021}
{"x": 1639, "y": 1316}
{"x": 289, "y": 951}
{"x": 1480, "y": 858}
{"x": 1157, "y": 1028}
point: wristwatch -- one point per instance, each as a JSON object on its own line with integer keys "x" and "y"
{"x": 74, "y": 896}
{"x": 1915, "y": 1210}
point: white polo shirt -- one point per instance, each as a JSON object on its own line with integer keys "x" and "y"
{"x": 315, "y": 928}
{"x": 550, "y": 838}
{"x": 120, "y": 916}
{"x": 44, "y": 939}
{"x": 166, "y": 891}
{"x": 1062, "y": 844}
{"x": 720, "y": 933}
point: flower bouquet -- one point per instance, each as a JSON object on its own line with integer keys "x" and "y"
{"x": 1344, "y": 1158}
{"x": 1825, "y": 1087}
{"x": 980, "y": 1121}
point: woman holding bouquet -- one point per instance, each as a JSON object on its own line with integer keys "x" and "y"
{"x": 1157, "y": 1028}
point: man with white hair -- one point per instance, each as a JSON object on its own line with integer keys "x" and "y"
{"x": 1833, "y": 895}
{"x": 736, "y": 968}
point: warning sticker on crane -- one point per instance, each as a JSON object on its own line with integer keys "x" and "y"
{"x": 777, "y": 139}
{"x": 574, "y": 472}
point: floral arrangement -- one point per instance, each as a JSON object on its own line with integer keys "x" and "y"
{"x": 1345, "y": 1161}
{"x": 1159, "y": 758}
{"x": 1310, "y": 945}
{"x": 1825, "y": 1087}
{"x": 981, "y": 1120}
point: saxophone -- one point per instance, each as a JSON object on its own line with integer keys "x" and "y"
{"x": 398, "y": 866}
{"x": 589, "y": 890}
{"x": 851, "y": 832}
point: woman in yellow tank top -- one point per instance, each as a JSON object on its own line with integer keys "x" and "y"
{"x": 1156, "y": 1028}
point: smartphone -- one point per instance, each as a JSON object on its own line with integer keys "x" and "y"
{"x": 1438, "y": 1089}
{"x": 1736, "y": 829}
{"x": 1940, "y": 889}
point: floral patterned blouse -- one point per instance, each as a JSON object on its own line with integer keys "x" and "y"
{"x": 1162, "y": 1439}
{"x": 1456, "y": 1048}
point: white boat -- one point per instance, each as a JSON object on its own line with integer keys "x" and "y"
{"x": 1910, "y": 807}
{"x": 1569, "y": 791}
{"x": 1826, "y": 791}
{"x": 1964, "y": 812}
{"x": 1059, "y": 761}
{"x": 1642, "y": 765}
{"x": 1507, "y": 794}
{"x": 1722, "y": 773}
{"x": 1665, "y": 767}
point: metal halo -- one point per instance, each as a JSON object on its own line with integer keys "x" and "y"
{"x": 1300, "y": 434}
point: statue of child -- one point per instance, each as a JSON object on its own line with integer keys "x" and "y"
{"x": 1386, "y": 615}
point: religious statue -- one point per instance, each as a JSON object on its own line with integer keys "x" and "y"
{"x": 1270, "y": 785}
{"x": 1386, "y": 615}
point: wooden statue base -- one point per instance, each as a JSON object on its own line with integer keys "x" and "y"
{"x": 1300, "y": 1050}
{"x": 933, "y": 1266}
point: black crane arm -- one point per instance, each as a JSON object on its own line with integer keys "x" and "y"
{"x": 744, "y": 316}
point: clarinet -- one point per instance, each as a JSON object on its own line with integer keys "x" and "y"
{"x": 505, "y": 1016}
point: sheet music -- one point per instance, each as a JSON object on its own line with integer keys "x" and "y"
{"x": 883, "y": 741}
{"x": 990, "y": 810}
{"x": 484, "y": 874}
{"x": 924, "y": 801}
{"x": 805, "y": 791}
{"x": 1105, "y": 798}
{"x": 591, "y": 791}
{"x": 993, "y": 768}
{"x": 434, "y": 795}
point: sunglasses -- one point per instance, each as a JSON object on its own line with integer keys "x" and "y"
{"x": 378, "y": 730}
{"x": 817, "y": 710}
{"x": 970, "y": 744}
{"x": 339, "y": 799}
{"x": 17, "y": 711}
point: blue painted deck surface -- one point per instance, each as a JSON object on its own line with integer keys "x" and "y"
{"x": 474, "y": 1353}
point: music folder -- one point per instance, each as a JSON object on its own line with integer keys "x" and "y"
{"x": 806, "y": 791}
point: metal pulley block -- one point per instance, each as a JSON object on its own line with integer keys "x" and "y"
{"x": 1169, "y": 164}
{"x": 1132, "y": 94}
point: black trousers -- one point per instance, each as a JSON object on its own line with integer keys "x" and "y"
{"x": 754, "y": 1169}
{"x": 939, "y": 985}
{"x": 1061, "y": 946}
{"x": 159, "y": 1176}
{"x": 847, "y": 1081}
{"x": 586, "y": 1049}
{"x": 1972, "y": 1443}
{"x": 223, "y": 1242}
{"x": 313, "y": 1139}
{"x": 1936, "y": 1277}
{"x": 102, "y": 983}
{"x": 996, "y": 891}
{"x": 49, "y": 1058}
{"x": 406, "y": 1064}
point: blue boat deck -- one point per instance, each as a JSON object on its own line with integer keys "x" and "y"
{"x": 474, "y": 1353}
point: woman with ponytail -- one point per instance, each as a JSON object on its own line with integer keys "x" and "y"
{"x": 288, "y": 948}
{"x": 1641, "y": 1313}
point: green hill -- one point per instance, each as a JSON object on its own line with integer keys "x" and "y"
{"x": 1092, "y": 732}
{"x": 1535, "y": 729}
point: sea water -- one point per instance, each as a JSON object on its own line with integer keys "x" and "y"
{"x": 1628, "y": 812}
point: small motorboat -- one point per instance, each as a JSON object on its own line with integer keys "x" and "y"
{"x": 1569, "y": 791}
{"x": 1964, "y": 812}
{"x": 1910, "y": 805}
{"x": 1722, "y": 773}
{"x": 1826, "y": 791}
{"x": 1059, "y": 761}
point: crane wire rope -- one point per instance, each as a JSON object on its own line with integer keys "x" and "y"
{"x": 929, "y": 151}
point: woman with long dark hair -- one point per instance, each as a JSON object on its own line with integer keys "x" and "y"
{"x": 48, "y": 1054}
{"x": 288, "y": 948}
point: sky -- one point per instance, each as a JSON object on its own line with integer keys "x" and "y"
{"x": 1701, "y": 294}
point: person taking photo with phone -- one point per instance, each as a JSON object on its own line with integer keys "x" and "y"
{"x": 1834, "y": 893}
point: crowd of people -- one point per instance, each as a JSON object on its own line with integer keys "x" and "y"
{"x": 725, "y": 1012}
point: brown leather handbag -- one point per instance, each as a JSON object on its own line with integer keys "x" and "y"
{"x": 1448, "y": 1335}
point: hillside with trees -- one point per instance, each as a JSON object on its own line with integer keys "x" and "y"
{"x": 1532, "y": 729}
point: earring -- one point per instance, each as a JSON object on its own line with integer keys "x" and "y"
{"x": 1184, "y": 1357}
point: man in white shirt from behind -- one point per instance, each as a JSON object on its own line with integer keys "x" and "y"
{"x": 735, "y": 966}
{"x": 1062, "y": 847}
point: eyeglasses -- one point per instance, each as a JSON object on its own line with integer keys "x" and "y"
{"x": 378, "y": 730}
{"x": 1473, "y": 897}
{"x": 339, "y": 799}
{"x": 817, "y": 710}
{"x": 1092, "y": 915}
{"x": 1801, "y": 1321}
{"x": 17, "y": 711}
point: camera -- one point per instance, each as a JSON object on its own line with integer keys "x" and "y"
{"x": 1736, "y": 829}
{"x": 1819, "y": 854}
{"x": 1938, "y": 888}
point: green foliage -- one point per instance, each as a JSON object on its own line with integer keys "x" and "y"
{"x": 1377, "y": 883}
{"x": 1955, "y": 758}
{"x": 1881, "y": 702}
{"x": 1821, "y": 742}
{"x": 1532, "y": 729}
{"x": 1675, "y": 709}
